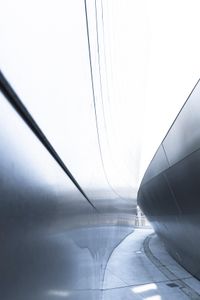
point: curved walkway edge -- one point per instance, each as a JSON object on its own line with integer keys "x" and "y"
{"x": 174, "y": 277}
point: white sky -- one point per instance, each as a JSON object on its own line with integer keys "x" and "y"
{"x": 152, "y": 63}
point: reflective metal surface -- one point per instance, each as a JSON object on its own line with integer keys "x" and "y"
{"x": 183, "y": 137}
{"x": 53, "y": 242}
{"x": 56, "y": 232}
{"x": 68, "y": 194}
{"x": 49, "y": 68}
{"x": 169, "y": 196}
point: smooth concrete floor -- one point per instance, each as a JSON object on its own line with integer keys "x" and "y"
{"x": 140, "y": 268}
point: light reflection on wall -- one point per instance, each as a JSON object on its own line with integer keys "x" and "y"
{"x": 61, "y": 294}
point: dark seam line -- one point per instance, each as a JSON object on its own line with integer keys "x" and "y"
{"x": 128, "y": 286}
{"x": 163, "y": 140}
{"x": 165, "y": 154}
{"x": 94, "y": 103}
{"x": 172, "y": 193}
{"x": 171, "y": 166}
{"x": 111, "y": 253}
{"x": 14, "y": 100}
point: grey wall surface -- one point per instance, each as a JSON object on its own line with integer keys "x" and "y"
{"x": 170, "y": 190}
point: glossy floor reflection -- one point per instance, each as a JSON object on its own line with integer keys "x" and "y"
{"x": 96, "y": 263}
{"x": 61, "y": 265}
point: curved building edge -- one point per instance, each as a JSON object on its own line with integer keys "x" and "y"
{"x": 169, "y": 194}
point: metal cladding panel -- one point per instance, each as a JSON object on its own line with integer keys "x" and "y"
{"x": 172, "y": 203}
{"x": 157, "y": 165}
{"x": 184, "y": 136}
{"x": 49, "y": 69}
{"x": 184, "y": 181}
{"x": 146, "y": 203}
{"x": 51, "y": 247}
{"x": 32, "y": 183}
{"x": 54, "y": 83}
{"x": 159, "y": 194}
{"x": 38, "y": 202}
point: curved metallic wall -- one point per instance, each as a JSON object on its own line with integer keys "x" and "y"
{"x": 54, "y": 242}
{"x": 170, "y": 190}
{"x": 53, "y": 67}
{"x": 62, "y": 210}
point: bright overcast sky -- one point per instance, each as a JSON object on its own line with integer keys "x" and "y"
{"x": 149, "y": 63}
